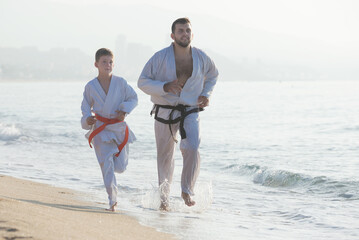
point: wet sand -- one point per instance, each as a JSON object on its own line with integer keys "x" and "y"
{"x": 30, "y": 210}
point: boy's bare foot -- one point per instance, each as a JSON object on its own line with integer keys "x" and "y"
{"x": 187, "y": 199}
{"x": 164, "y": 206}
{"x": 112, "y": 208}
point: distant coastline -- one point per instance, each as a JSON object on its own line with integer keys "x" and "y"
{"x": 29, "y": 63}
{"x": 60, "y": 64}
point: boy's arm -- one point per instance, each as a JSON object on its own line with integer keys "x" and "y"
{"x": 147, "y": 81}
{"x": 86, "y": 106}
{"x": 131, "y": 100}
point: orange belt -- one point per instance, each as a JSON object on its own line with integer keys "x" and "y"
{"x": 107, "y": 121}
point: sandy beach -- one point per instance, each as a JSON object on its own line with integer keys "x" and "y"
{"x": 30, "y": 210}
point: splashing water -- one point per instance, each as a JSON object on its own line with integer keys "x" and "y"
{"x": 203, "y": 198}
{"x": 9, "y": 132}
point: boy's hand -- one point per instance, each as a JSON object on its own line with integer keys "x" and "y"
{"x": 91, "y": 120}
{"x": 121, "y": 115}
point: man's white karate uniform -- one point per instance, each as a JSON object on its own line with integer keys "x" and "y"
{"x": 158, "y": 71}
{"x": 120, "y": 97}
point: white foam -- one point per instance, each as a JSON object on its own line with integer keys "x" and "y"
{"x": 9, "y": 132}
{"x": 203, "y": 198}
{"x": 151, "y": 198}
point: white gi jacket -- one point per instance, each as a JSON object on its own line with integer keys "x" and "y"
{"x": 161, "y": 68}
{"x": 120, "y": 97}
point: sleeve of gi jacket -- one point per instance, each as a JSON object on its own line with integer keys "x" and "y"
{"x": 147, "y": 81}
{"x": 131, "y": 99}
{"x": 211, "y": 76}
{"x": 86, "y": 106}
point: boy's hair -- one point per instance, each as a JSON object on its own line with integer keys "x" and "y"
{"x": 103, "y": 52}
{"x": 180, "y": 21}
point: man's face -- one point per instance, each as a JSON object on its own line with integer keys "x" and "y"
{"x": 183, "y": 34}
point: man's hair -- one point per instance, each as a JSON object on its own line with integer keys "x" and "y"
{"x": 180, "y": 21}
{"x": 103, "y": 52}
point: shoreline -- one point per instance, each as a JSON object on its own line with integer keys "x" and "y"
{"x": 31, "y": 210}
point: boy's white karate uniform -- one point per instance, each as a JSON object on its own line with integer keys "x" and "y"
{"x": 158, "y": 71}
{"x": 120, "y": 97}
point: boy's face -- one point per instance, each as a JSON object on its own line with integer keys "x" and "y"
{"x": 105, "y": 64}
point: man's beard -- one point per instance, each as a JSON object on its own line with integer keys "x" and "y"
{"x": 183, "y": 44}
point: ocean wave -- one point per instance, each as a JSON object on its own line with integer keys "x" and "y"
{"x": 18, "y": 133}
{"x": 348, "y": 190}
{"x": 352, "y": 128}
{"x": 9, "y": 132}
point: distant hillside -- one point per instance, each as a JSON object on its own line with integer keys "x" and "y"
{"x": 32, "y": 64}
{"x": 29, "y": 63}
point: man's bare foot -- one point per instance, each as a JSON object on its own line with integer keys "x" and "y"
{"x": 112, "y": 208}
{"x": 164, "y": 206}
{"x": 187, "y": 199}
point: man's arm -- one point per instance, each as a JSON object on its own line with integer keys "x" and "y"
{"x": 211, "y": 76}
{"x": 147, "y": 81}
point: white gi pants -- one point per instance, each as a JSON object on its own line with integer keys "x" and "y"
{"x": 110, "y": 164}
{"x": 189, "y": 148}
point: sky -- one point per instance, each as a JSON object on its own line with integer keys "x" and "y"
{"x": 337, "y": 20}
{"x": 332, "y": 21}
{"x": 315, "y": 33}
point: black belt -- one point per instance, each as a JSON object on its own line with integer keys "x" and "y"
{"x": 184, "y": 113}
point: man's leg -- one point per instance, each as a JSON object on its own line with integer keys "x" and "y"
{"x": 191, "y": 158}
{"x": 165, "y": 161}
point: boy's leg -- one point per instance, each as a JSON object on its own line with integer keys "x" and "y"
{"x": 104, "y": 152}
{"x": 121, "y": 162}
{"x": 191, "y": 158}
{"x": 109, "y": 179}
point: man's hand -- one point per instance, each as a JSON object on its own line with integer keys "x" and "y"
{"x": 202, "y": 101}
{"x": 91, "y": 120}
{"x": 121, "y": 115}
{"x": 172, "y": 87}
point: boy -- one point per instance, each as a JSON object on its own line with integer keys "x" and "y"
{"x": 110, "y": 98}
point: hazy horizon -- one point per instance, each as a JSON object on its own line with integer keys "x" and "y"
{"x": 307, "y": 38}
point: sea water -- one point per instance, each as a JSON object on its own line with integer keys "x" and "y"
{"x": 280, "y": 160}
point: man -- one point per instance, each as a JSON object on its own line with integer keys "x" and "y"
{"x": 180, "y": 80}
